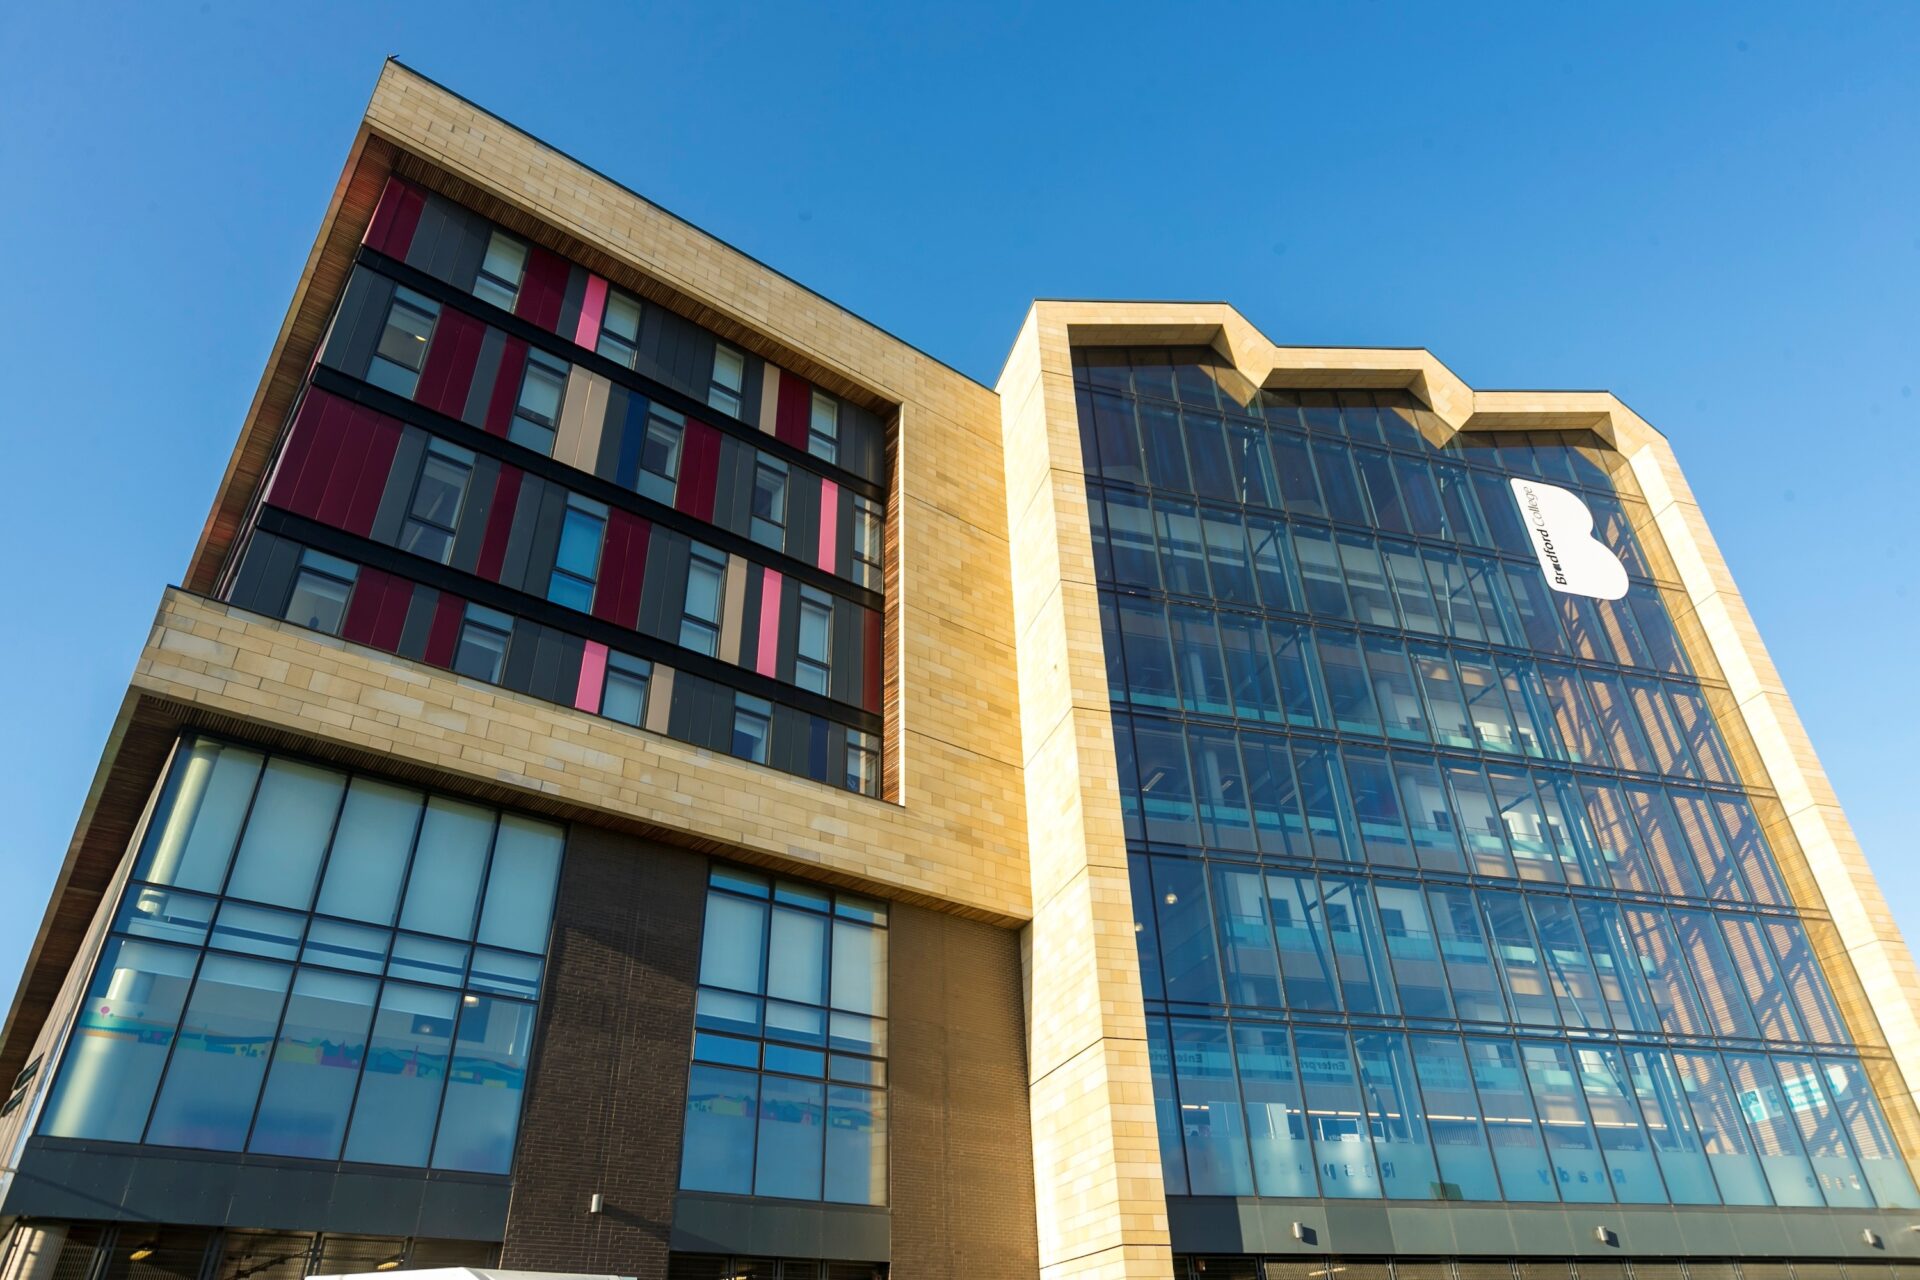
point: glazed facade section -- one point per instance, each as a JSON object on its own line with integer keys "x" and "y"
{"x": 506, "y": 466}
{"x": 1445, "y": 884}
{"x": 314, "y": 964}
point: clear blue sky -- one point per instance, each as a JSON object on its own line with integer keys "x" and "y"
{"x": 1713, "y": 211}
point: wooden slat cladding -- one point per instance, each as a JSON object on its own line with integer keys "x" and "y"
{"x": 328, "y": 265}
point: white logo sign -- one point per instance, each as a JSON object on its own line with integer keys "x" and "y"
{"x": 1573, "y": 560}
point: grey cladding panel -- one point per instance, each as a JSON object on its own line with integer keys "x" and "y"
{"x": 472, "y": 531}
{"x": 752, "y": 387}
{"x": 522, "y": 653}
{"x": 485, "y": 372}
{"x": 546, "y": 541}
{"x": 526, "y": 516}
{"x": 862, "y": 442}
{"x": 788, "y": 749}
{"x": 266, "y": 574}
{"x": 789, "y": 630}
{"x": 843, "y": 682}
{"x": 613, "y": 430}
{"x": 733, "y": 494}
{"x": 357, "y": 325}
{"x": 663, "y": 591}
{"x": 413, "y": 635}
{"x": 803, "y": 515}
{"x": 401, "y": 477}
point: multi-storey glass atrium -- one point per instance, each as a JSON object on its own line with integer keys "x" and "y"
{"x": 1447, "y": 885}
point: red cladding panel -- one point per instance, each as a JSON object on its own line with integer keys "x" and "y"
{"x": 348, "y": 424}
{"x": 363, "y": 610}
{"x": 506, "y": 387}
{"x": 870, "y": 656}
{"x": 699, "y": 471}
{"x": 293, "y": 455}
{"x": 622, "y": 567}
{"x": 396, "y": 219}
{"x": 543, "y": 289}
{"x": 320, "y": 418}
{"x": 493, "y": 547}
{"x": 380, "y": 441}
{"x": 795, "y": 408}
{"x": 393, "y": 615}
{"x": 450, "y": 363}
{"x": 445, "y": 632}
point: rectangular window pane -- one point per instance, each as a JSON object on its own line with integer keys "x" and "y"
{"x": 787, "y": 1154}
{"x": 1211, "y": 1119}
{"x": 856, "y": 1146}
{"x": 191, "y": 836}
{"x": 287, "y": 831}
{"x": 485, "y": 1081}
{"x": 369, "y": 855}
{"x": 406, "y": 1066}
{"x": 316, "y": 1063}
{"x": 119, "y": 1042}
{"x": 716, "y": 1152}
{"x": 444, "y": 886}
{"x": 221, "y": 1056}
{"x": 520, "y": 884}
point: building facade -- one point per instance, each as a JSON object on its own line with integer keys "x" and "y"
{"x": 647, "y": 774}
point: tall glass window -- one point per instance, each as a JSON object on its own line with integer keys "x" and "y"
{"x": 787, "y": 1092}
{"x": 255, "y": 995}
{"x": 1446, "y": 885}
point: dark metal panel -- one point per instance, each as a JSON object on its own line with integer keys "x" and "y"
{"x": 663, "y": 590}
{"x": 862, "y": 442}
{"x": 733, "y": 491}
{"x": 753, "y": 386}
{"x": 398, "y": 492}
{"x": 750, "y": 618}
{"x": 788, "y": 750}
{"x": 546, "y": 541}
{"x": 356, "y": 326}
{"x": 526, "y": 518}
{"x": 789, "y": 644}
{"x": 486, "y": 370}
{"x": 522, "y": 653}
{"x": 266, "y": 572}
{"x": 612, "y": 430}
{"x": 571, "y": 300}
{"x": 737, "y": 1225}
{"x": 414, "y": 631}
{"x": 843, "y": 681}
{"x": 843, "y": 537}
{"x": 471, "y": 532}
{"x": 428, "y": 235}
{"x": 803, "y": 516}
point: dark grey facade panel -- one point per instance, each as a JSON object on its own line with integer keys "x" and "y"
{"x": 413, "y": 634}
{"x": 523, "y": 656}
{"x": 789, "y": 748}
{"x": 782, "y": 1229}
{"x": 526, "y": 516}
{"x": 844, "y": 678}
{"x": 702, "y": 712}
{"x": 449, "y": 242}
{"x": 612, "y": 433}
{"x": 572, "y": 300}
{"x": 486, "y": 371}
{"x": 546, "y": 541}
{"x": 266, "y": 574}
{"x": 788, "y": 631}
{"x": 116, "y": 1182}
{"x": 733, "y": 489}
{"x": 803, "y": 516}
{"x": 471, "y": 532}
{"x": 752, "y": 387}
{"x": 398, "y": 494}
{"x": 750, "y": 616}
{"x": 663, "y": 590}
{"x": 357, "y": 324}
{"x": 862, "y": 442}
{"x": 843, "y": 535}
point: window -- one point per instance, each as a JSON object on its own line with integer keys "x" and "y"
{"x": 660, "y": 455}
{"x": 320, "y": 591}
{"x": 223, "y": 1025}
{"x": 823, "y": 428}
{"x": 769, "y": 509}
{"x": 813, "y": 665}
{"x": 438, "y": 496}
{"x": 787, "y": 1093}
{"x": 500, "y": 271}
{"x": 700, "y": 616}
{"x": 867, "y": 543}
{"x": 729, "y": 380}
{"x": 577, "y": 562}
{"x": 624, "y": 695}
{"x": 402, "y": 351}
{"x": 863, "y": 763}
{"x": 482, "y": 650}
{"x": 620, "y": 329}
{"x": 752, "y": 725}
{"x": 536, "y": 418}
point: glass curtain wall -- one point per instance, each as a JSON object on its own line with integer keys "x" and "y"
{"x": 1445, "y": 885}
{"x": 313, "y": 963}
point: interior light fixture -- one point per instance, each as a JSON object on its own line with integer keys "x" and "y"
{"x": 389, "y": 1264}
{"x": 142, "y": 1253}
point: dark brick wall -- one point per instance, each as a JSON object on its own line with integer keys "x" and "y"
{"x": 609, "y": 1079}
{"x": 961, "y": 1147}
